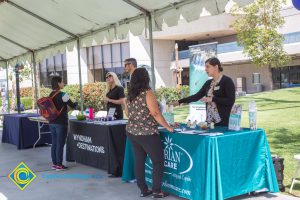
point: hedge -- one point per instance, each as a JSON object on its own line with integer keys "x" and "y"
{"x": 26, "y": 101}
{"x": 94, "y": 93}
{"x": 172, "y": 94}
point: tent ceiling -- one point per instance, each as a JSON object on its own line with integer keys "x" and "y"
{"x": 49, "y": 26}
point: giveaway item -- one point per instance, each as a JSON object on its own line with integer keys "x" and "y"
{"x": 203, "y": 125}
{"x": 235, "y": 118}
{"x": 80, "y": 117}
{"x": 111, "y": 113}
{"x": 91, "y": 113}
{"x": 252, "y": 115}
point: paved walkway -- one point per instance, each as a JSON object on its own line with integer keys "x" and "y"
{"x": 77, "y": 183}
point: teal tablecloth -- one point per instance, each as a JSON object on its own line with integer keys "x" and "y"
{"x": 212, "y": 167}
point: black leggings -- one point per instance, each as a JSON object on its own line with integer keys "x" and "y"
{"x": 151, "y": 145}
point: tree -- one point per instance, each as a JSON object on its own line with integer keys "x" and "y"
{"x": 257, "y": 31}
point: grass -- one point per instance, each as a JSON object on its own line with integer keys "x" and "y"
{"x": 279, "y": 115}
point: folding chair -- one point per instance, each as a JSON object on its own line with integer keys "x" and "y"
{"x": 297, "y": 157}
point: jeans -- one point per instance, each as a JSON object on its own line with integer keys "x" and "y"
{"x": 59, "y": 134}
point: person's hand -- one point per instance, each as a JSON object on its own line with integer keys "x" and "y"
{"x": 174, "y": 103}
{"x": 170, "y": 129}
{"x": 206, "y": 99}
{"x": 106, "y": 99}
{"x": 76, "y": 105}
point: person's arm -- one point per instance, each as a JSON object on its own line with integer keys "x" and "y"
{"x": 67, "y": 101}
{"x": 155, "y": 112}
{"x": 201, "y": 93}
{"x": 126, "y": 108}
{"x": 121, "y": 99}
{"x": 229, "y": 92}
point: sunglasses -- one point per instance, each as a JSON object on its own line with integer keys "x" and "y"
{"x": 109, "y": 76}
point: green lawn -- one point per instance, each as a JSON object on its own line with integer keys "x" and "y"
{"x": 279, "y": 115}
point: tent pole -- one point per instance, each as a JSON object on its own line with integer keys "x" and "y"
{"x": 151, "y": 51}
{"x": 79, "y": 70}
{"x": 148, "y": 14}
{"x": 35, "y": 81}
{"x": 7, "y": 88}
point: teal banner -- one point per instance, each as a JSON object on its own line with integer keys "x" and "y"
{"x": 212, "y": 167}
{"x": 198, "y": 55}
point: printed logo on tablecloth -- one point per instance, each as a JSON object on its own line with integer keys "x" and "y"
{"x": 177, "y": 159}
{"x": 22, "y": 176}
{"x": 85, "y": 143}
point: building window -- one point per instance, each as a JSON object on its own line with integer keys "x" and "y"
{"x": 108, "y": 58}
{"x": 53, "y": 66}
{"x": 256, "y": 78}
{"x": 285, "y": 77}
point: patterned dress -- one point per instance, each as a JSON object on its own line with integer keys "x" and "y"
{"x": 140, "y": 122}
{"x": 212, "y": 110}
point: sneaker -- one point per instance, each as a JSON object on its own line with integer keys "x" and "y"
{"x": 61, "y": 168}
{"x": 54, "y": 167}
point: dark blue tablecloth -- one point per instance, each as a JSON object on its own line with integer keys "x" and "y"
{"x": 20, "y": 131}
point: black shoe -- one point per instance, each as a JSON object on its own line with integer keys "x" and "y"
{"x": 145, "y": 194}
{"x": 160, "y": 195}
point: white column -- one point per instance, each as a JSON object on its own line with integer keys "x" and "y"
{"x": 72, "y": 66}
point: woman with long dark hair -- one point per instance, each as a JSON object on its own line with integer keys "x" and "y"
{"x": 59, "y": 127}
{"x": 142, "y": 130}
{"x": 218, "y": 93}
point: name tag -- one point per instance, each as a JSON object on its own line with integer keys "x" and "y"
{"x": 217, "y": 88}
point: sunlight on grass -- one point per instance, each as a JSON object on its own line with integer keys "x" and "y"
{"x": 279, "y": 115}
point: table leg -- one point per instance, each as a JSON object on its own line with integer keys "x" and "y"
{"x": 39, "y": 129}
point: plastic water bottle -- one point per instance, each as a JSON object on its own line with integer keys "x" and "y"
{"x": 87, "y": 112}
{"x": 252, "y": 115}
{"x": 163, "y": 104}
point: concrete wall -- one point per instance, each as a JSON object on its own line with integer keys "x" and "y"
{"x": 98, "y": 75}
{"x": 236, "y": 70}
{"x": 295, "y": 61}
{"x": 246, "y": 70}
{"x": 204, "y": 28}
{"x": 291, "y": 16}
{"x": 243, "y": 70}
{"x": 72, "y": 66}
{"x": 163, "y": 50}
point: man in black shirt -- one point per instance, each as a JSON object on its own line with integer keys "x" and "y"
{"x": 130, "y": 65}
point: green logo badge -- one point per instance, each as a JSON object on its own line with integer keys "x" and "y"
{"x": 22, "y": 176}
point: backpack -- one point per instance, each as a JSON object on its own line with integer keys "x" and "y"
{"x": 48, "y": 109}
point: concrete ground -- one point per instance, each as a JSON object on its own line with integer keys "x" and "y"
{"x": 79, "y": 182}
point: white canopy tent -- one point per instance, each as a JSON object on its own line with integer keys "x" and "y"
{"x": 35, "y": 29}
